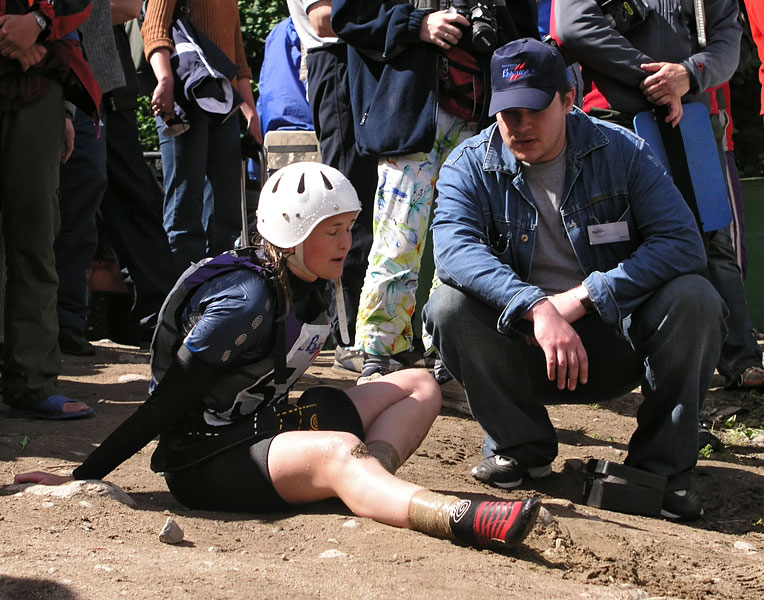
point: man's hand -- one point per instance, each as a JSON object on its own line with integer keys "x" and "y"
{"x": 42, "y": 478}
{"x": 17, "y": 33}
{"x": 31, "y": 57}
{"x": 68, "y": 148}
{"x": 666, "y": 86}
{"x": 569, "y": 307}
{"x": 566, "y": 359}
{"x": 442, "y": 28}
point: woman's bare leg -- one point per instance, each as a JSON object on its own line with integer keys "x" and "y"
{"x": 308, "y": 466}
{"x": 398, "y": 409}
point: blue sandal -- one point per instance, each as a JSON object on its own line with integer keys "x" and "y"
{"x": 52, "y": 408}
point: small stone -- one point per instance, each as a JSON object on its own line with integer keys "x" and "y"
{"x": 48, "y": 504}
{"x": 333, "y": 541}
{"x": 758, "y": 441}
{"x": 277, "y": 529}
{"x": 130, "y": 377}
{"x": 85, "y": 504}
{"x": 171, "y": 532}
{"x": 745, "y": 547}
{"x": 559, "y": 543}
{"x": 213, "y": 549}
{"x": 333, "y": 553}
{"x": 351, "y": 524}
{"x": 284, "y": 557}
{"x": 545, "y": 517}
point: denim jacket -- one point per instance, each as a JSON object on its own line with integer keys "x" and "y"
{"x": 486, "y": 221}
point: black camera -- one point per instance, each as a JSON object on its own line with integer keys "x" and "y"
{"x": 482, "y": 18}
{"x": 624, "y": 15}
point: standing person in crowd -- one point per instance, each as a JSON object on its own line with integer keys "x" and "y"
{"x": 33, "y": 64}
{"x": 417, "y": 76}
{"x": 664, "y": 62}
{"x": 132, "y": 203}
{"x": 569, "y": 264}
{"x": 328, "y": 88}
{"x": 200, "y": 222}
{"x": 84, "y": 180}
{"x": 235, "y": 336}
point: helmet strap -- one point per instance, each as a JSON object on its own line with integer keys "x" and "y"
{"x": 297, "y": 260}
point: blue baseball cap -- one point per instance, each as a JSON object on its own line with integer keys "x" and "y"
{"x": 525, "y": 73}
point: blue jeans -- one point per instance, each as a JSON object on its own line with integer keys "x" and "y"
{"x": 676, "y": 337}
{"x": 200, "y": 224}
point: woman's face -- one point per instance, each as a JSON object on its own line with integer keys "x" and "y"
{"x": 325, "y": 249}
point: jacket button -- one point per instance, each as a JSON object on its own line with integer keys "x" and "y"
{"x": 571, "y": 225}
{"x": 524, "y": 237}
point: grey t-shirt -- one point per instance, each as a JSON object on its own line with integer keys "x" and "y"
{"x": 554, "y": 267}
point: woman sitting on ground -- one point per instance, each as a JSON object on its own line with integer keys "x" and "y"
{"x": 234, "y": 336}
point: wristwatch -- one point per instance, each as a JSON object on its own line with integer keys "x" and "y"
{"x": 582, "y": 295}
{"x": 42, "y": 22}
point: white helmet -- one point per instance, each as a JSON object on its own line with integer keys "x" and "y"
{"x": 298, "y": 197}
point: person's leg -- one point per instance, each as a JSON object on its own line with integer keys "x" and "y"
{"x": 401, "y": 216}
{"x": 679, "y": 330}
{"x": 224, "y": 176}
{"x": 184, "y": 161}
{"x": 33, "y": 136}
{"x": 505, "y": 378}
{"x": 740, "y": 350}
{"x": 397, "y": 411}
{"x": 329, "y": 98}
{"x": 131, "y": 209}
{"x": 83, "y": 182}
{"x": 311, "y": 466}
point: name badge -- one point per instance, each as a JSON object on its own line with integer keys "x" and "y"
{"x": 607, "y": 233}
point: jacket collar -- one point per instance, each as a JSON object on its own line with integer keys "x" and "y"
{"x": 582, "y": 136}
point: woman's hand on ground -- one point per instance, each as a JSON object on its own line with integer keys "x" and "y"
{"x": 42, "y": 478}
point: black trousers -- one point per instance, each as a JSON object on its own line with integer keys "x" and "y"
{"x": 329, "y": 98}
{"x": 131, "y": 209}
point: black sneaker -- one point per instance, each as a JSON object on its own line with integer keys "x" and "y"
{"x": 74, "y": 342}
{"x": 376, "y": 367}
{"x": 706, "y": 438}
{"x": 681, "y": 505}
{"x": 506, "y": 472}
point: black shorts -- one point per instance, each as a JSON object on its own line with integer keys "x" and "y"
{"x": 237, "y": 479}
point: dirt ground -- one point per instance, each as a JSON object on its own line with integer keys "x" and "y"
{"x": 92, "y": 547}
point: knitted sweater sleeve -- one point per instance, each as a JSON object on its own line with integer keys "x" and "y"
{"x": 156, "y": 27}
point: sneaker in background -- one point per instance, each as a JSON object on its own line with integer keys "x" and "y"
{"x": 348, "y": 359}
{"x": 681, "y": 505}
{"x": 376, "y": 367}
{"x": 506, "y": 472}
{"x": 74, "y": 342}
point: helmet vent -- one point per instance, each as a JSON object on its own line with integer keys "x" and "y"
{"x": 327, "y": 183}
{"x": 301, "y": 184}
{"x": 276, "y": 184}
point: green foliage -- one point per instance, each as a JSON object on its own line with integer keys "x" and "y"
{"x": 146, "y": 125}
{"x": 706, "y": 451}
{"x": 258, "y": 17}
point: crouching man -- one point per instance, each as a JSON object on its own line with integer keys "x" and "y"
{"x": 570, "y": 267}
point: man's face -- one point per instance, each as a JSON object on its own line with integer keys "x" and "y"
{"x": 535, "y": 136}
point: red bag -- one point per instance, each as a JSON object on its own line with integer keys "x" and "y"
{"x": 462, "y": 87}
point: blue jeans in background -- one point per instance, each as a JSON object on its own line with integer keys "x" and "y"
{"x": 200, "y": 224}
